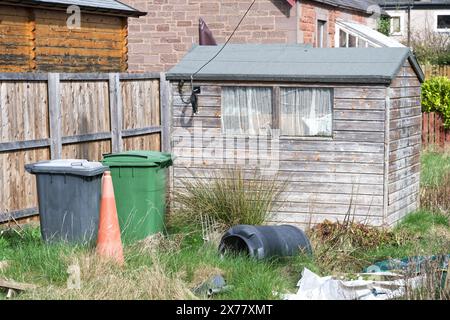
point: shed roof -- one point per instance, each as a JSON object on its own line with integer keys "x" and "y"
{"x": 105, "y": 6}
{"x": 299, "y": 63}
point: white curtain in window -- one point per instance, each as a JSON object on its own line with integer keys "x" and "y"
{"x": 306, "y": 111}
{"x": 246, "y": 110}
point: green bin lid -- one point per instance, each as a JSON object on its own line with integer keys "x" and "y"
{"x": 138, "y": 158}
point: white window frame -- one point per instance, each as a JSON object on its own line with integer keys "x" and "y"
{"x": 307, "y": 137}
{"x": 440, "y": 13}
{"x": 337, "y": 38}
{"x": 391, "y": 30}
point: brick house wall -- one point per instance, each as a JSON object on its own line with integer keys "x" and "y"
{"x": 159, "y": 40}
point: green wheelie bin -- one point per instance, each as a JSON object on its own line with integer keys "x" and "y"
{"x": 139, "y": 179}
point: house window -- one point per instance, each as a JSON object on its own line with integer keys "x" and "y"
{"x": 246, "y": 110}
{"x": 348, "y": 40}
{"x": 306, "y": 112}
{"x": 396, "y": 25}
{"x": 352, "y": 41}
{"x": 443, "y": 22}
{"x": 321, "y": 35}
{"x": 342, "y": 39}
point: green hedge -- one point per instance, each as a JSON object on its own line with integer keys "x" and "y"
{"x": 436, "y": 97}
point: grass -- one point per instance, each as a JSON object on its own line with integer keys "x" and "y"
{"x": 230, "y": 197}
{"x": 434, "y": 166}
{"x": 179, "y": 262}
{"x": 435, "y": 182}
{"x": 170, "y": 267}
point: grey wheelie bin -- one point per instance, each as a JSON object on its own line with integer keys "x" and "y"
{"x": 69, "y": 193}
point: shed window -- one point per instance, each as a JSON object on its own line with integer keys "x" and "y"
{"x": 306, "y": 112}
{"x": 246, "y": 110}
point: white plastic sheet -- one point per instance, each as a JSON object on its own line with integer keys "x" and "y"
{"x": 313, "y": 287}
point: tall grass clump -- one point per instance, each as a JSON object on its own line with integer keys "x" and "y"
{"x": 435, "y": 182}
{"x": 230, "y": 197}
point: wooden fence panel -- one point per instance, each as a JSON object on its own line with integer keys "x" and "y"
{"x": 49, "y": 116}
{"x": 30, "y": 121}
{"x": 435, "y": 70}
{"x": 142, "y": 99}
{"x": 84, "y": 107}
{"x": 433, "y": 131}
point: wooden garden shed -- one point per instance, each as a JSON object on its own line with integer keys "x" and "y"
{"x": 342, "y": 125}
{"x": 41, "y": 36}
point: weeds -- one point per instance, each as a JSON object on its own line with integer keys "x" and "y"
{"x": 229, "y": 198}
{"x": 435, "y": 182}
{"x": 432, "y": 281}
{"x": 103, "y": 281}
{"x": 342, "y": 246}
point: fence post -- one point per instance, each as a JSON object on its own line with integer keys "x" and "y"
{"x": 164, "y": 92}
{"x": 115, "y": 111}
{"x": 54, "y": 110}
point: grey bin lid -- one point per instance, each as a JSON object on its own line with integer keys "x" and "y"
{"x": 77, "y": 167}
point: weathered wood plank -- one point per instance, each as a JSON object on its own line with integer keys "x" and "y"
{"x": 54, "y": 107}
{"x": 400, "y": 133}
{"x": 359, "y": 104}
{"x": 312, "y": 166}
{"x": 405, "y": 92}
{"x": 354, "y": 136}
{"x": 405, "y": 122}
{"x": 403, "y": 203}
{"x": 23, "y": 145}
{"x": 203, "y": 101}
{"x": 141, "y": 131}
{"x": 115, "y": 105}
{"x": 360, "y": 93}
{"x": 220, "y": 153}
{"x": 331, "y": 210}
{"x": 411, "y": 81}
{"x": 403, "y": 172}
{"x": 205, "y": 172}
{"x": 404, "y": 152}
{"x": 405, "y": 102}
{"x": 285, "y": 144}
{"x": 371, "y": 126}
{"x": 403, "y": 193}
{"x": 406, "y": 112}
{"x": 404, "y": 162}
{"x": 86, "y": 137}
{"x": 166, "y": 115}
{"x": 358, "y": 115}
{"x": 310, "y": 218}
{"x": 398, "y": 185}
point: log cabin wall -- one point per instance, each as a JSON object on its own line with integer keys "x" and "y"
{"x": 405, "y": 128}
{"x": 38, "y": 40}
{"x": 328, "y": 177}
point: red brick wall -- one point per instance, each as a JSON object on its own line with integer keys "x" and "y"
{"x": 159, "y": 40}
{"x": 309, "y": 15}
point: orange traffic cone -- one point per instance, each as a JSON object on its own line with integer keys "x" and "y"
{"x": 109, "y": 244}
